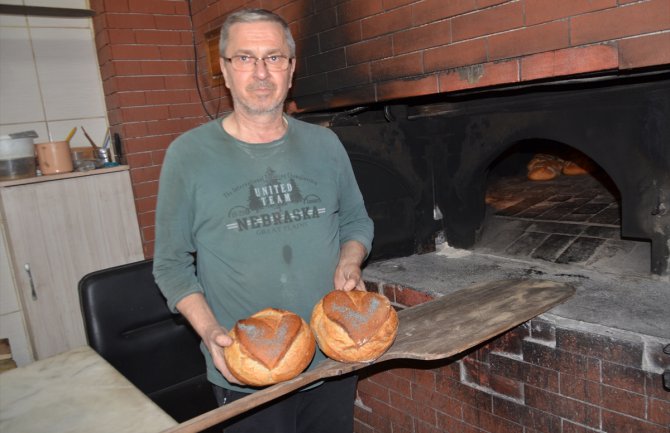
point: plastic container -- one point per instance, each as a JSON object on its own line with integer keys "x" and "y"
{"x": 54, "y": 157}
{"x": 17, "y": 157}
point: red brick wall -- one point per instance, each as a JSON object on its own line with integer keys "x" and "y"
{"x": 145, "y": 56}
{"x": 538, "y": 377}
{"x": 355, "y": 52}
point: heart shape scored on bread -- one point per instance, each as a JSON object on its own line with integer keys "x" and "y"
{"x": 268, "y": 338}
{"x": 358, "y": 313}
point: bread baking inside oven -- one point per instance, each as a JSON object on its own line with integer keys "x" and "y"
{"x": 354, "y": 326}
{"x": 268, "y": 347}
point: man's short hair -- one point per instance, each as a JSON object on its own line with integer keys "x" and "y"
{"x": 253, "y": 16}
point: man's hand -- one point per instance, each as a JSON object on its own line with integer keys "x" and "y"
{"x": 214, "y": 336}
{"x": 348, "y": 271}
{"x": 215, "y": 339}
{"x": 348, "y": 277}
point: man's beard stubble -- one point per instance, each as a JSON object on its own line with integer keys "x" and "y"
{"x": 255, "y": 110}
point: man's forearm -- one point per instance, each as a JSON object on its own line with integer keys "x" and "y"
{"x": 352, "y": 253}
{"x": 195, "y": 309}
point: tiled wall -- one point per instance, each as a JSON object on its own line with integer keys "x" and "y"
{"x": 49, "y": 76}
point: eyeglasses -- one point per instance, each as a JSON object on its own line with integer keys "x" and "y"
{"x": 274, "y": 63}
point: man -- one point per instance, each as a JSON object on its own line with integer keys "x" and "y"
{"x": 270, "y": 207}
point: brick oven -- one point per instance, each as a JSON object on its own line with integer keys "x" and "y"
{"x": 441, "y": 105}
{"x": 448, "y": 151}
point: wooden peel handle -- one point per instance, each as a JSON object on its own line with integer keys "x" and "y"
{"x": 471, "y": 316}
{"x": 325, "y": 369}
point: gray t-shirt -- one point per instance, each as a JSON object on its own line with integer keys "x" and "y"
{"x": 265, "y": 222}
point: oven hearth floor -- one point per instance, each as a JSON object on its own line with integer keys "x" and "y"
{"x": 565, "y": 230}
{"x": 571, "y": 220}
{"x": 603, "y": 302}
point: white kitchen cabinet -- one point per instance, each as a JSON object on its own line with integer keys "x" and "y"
{"x": 12, "y": 325}
{"x": 57, "y": 229}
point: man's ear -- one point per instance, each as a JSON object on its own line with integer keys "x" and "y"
{"x": 290, "y": 78}
{"x": 224, "y": 71}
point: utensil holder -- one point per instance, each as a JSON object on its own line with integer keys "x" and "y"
{"x": 54, "y": 157}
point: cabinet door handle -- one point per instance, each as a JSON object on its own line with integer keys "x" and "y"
{"x": 30, "y": 278}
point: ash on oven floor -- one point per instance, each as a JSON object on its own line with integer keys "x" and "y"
{"x": 573, "y": 220}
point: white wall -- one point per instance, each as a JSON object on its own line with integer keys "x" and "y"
{"x": 49, "y": 82}
{"x": 49, "y": 75}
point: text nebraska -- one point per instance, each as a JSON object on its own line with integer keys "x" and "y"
{"x": 277, "y": 218}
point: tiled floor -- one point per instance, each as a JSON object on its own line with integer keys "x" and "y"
{"x": 571, "y": 220}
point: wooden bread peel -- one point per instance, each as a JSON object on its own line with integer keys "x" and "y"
{"x": 437, "y": 329}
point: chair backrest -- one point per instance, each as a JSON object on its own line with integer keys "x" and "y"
{"x": 128, "y": 323}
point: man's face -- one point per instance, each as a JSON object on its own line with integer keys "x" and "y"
{"x": 258, "y": 91}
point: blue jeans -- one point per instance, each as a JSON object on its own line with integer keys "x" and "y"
{"x": 328, "y": 408}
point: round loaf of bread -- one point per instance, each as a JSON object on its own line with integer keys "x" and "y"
{"x": 354, "y": 326}
{"x": 268, "y": 347}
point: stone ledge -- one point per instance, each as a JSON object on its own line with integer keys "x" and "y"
{"x": 628, "y": 306}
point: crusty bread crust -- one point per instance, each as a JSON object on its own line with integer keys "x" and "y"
{"x": 268, "y": 347}
{"x": 354, "y": 326}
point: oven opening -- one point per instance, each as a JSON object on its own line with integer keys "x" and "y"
{"x": 548, "y": 201}
{"x": 456, "y": 173}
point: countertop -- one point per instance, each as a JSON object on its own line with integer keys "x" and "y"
{"x": 50, "y": 177}
{"x": 75, "y": 392}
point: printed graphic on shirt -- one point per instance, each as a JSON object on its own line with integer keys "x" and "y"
{"x": 274, "y": 202}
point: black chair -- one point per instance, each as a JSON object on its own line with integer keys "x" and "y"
{"x": 129, "y": 324}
